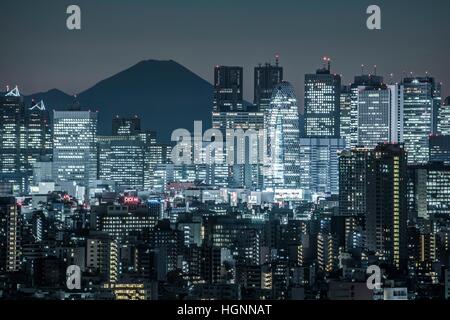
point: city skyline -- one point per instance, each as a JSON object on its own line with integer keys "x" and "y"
{"x": 52, "y": 58}
{"x": 289, "y": 175}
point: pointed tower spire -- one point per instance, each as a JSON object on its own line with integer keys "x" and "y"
{"x": 13, "y": 93}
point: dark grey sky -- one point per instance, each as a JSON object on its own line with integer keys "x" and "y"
{"x": 39, "y": 53}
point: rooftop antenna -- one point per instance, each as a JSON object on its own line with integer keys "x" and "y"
{"x": 277, "y": 59}
{"x": 327, "y": 63}
{"x": 362, "y": 69}
{"x": 375, "y": 70}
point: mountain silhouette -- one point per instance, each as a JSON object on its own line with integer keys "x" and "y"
{"x": 164, "y": 94}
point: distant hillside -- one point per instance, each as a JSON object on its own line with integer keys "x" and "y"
{"x": 164, "y": 94}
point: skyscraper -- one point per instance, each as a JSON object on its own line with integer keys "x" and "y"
{"x": 266, "y": 77}
{"x": 353, "y": 168}
{"x": 378, "y": 112}
{"x": 13, "y": 140}
{"x": 386, "y": 219}
{"x": 359, "y": 83}
{"x": 74, "y": 146}
{"x": 282, "y": 168}
{"x": 346, "y": 115}
{"x": 24, "y": 139}
{"x": 319, "y": 170}
{"x": 244, "y": 173}
{"x": 443, "y": 126}
{"x": 228, "y": 91}
{"x": 322, "y": 103}
{"x": 420, "y": 104}
{"x": 39, "y": 137}
{"x": 122, "y": 162}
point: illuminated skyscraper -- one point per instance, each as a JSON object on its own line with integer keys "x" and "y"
{"x": 420, "y": 104}
{"x": 266, "y": 77}
{"x": 74, "y": 146}
{"x": 282, "y": 168}
{"x": 228, "y": 94}
{"x": 123, "y": 163}
{"x": 443, "y": 126}
{"x": 322, "y": 103}
{"x": 386, "y": 218}
{"x": 353, "y": 166}
{"x": 346, "y": 115}
{"x": 24, "y": 139}
{"x": 39, "y": 138}
{"x": 378, "y": 112}
{"x": 243, "y": 172}
{"x": 319, "y": 170}
{"x": 13, "y": 140}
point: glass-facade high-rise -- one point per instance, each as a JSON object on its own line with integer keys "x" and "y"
{"x": 443, "y": 126}
{"x": 319, "y": 170}
{"x": 74, "y": 146}
{"x": 282, "y": 166}
{"x": 266, "y": 77}
{"x": 378, "y": 113}
{"x": 322, "y": 104}
{"x": 25, "y": 138}
{"x": 243, "y": 173}
{"x": 420, "y": 104}
{"x": 346, "y": 115}
{"x": 122, "y": 162}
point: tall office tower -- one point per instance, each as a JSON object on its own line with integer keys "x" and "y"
{"x": 39, "y": 137}
{"x": 353, "y": 166}
{"x": 266, "y": 77}
{"x": 421, "y": 101}
{"x": 126, "y": 126}
{"x": 386, "y": 218}
{"x": 377, "y": 115}
{"x": 74, "y": 146}
{"x": 25, "y": 138}
{"x": 440, "y": 148}
{"x": 13, "y": 140}
{"x": 346, "y": 115}
{"x": 228, "y": 91}
{"x": 122, "y": 162}
{"x": 10, "y": 235}
{"x": 322, "y": 103}
{"x": 429, "y": 191}
{"x": 243, "y": 173}
{"x": 443, "y": 126}
{"x": 358, "y": 83}
{"x": 319, "y": 169}
{"x": 282, "y": 166}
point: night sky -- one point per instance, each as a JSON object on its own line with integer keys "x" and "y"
{"x": 39, "y": 53}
